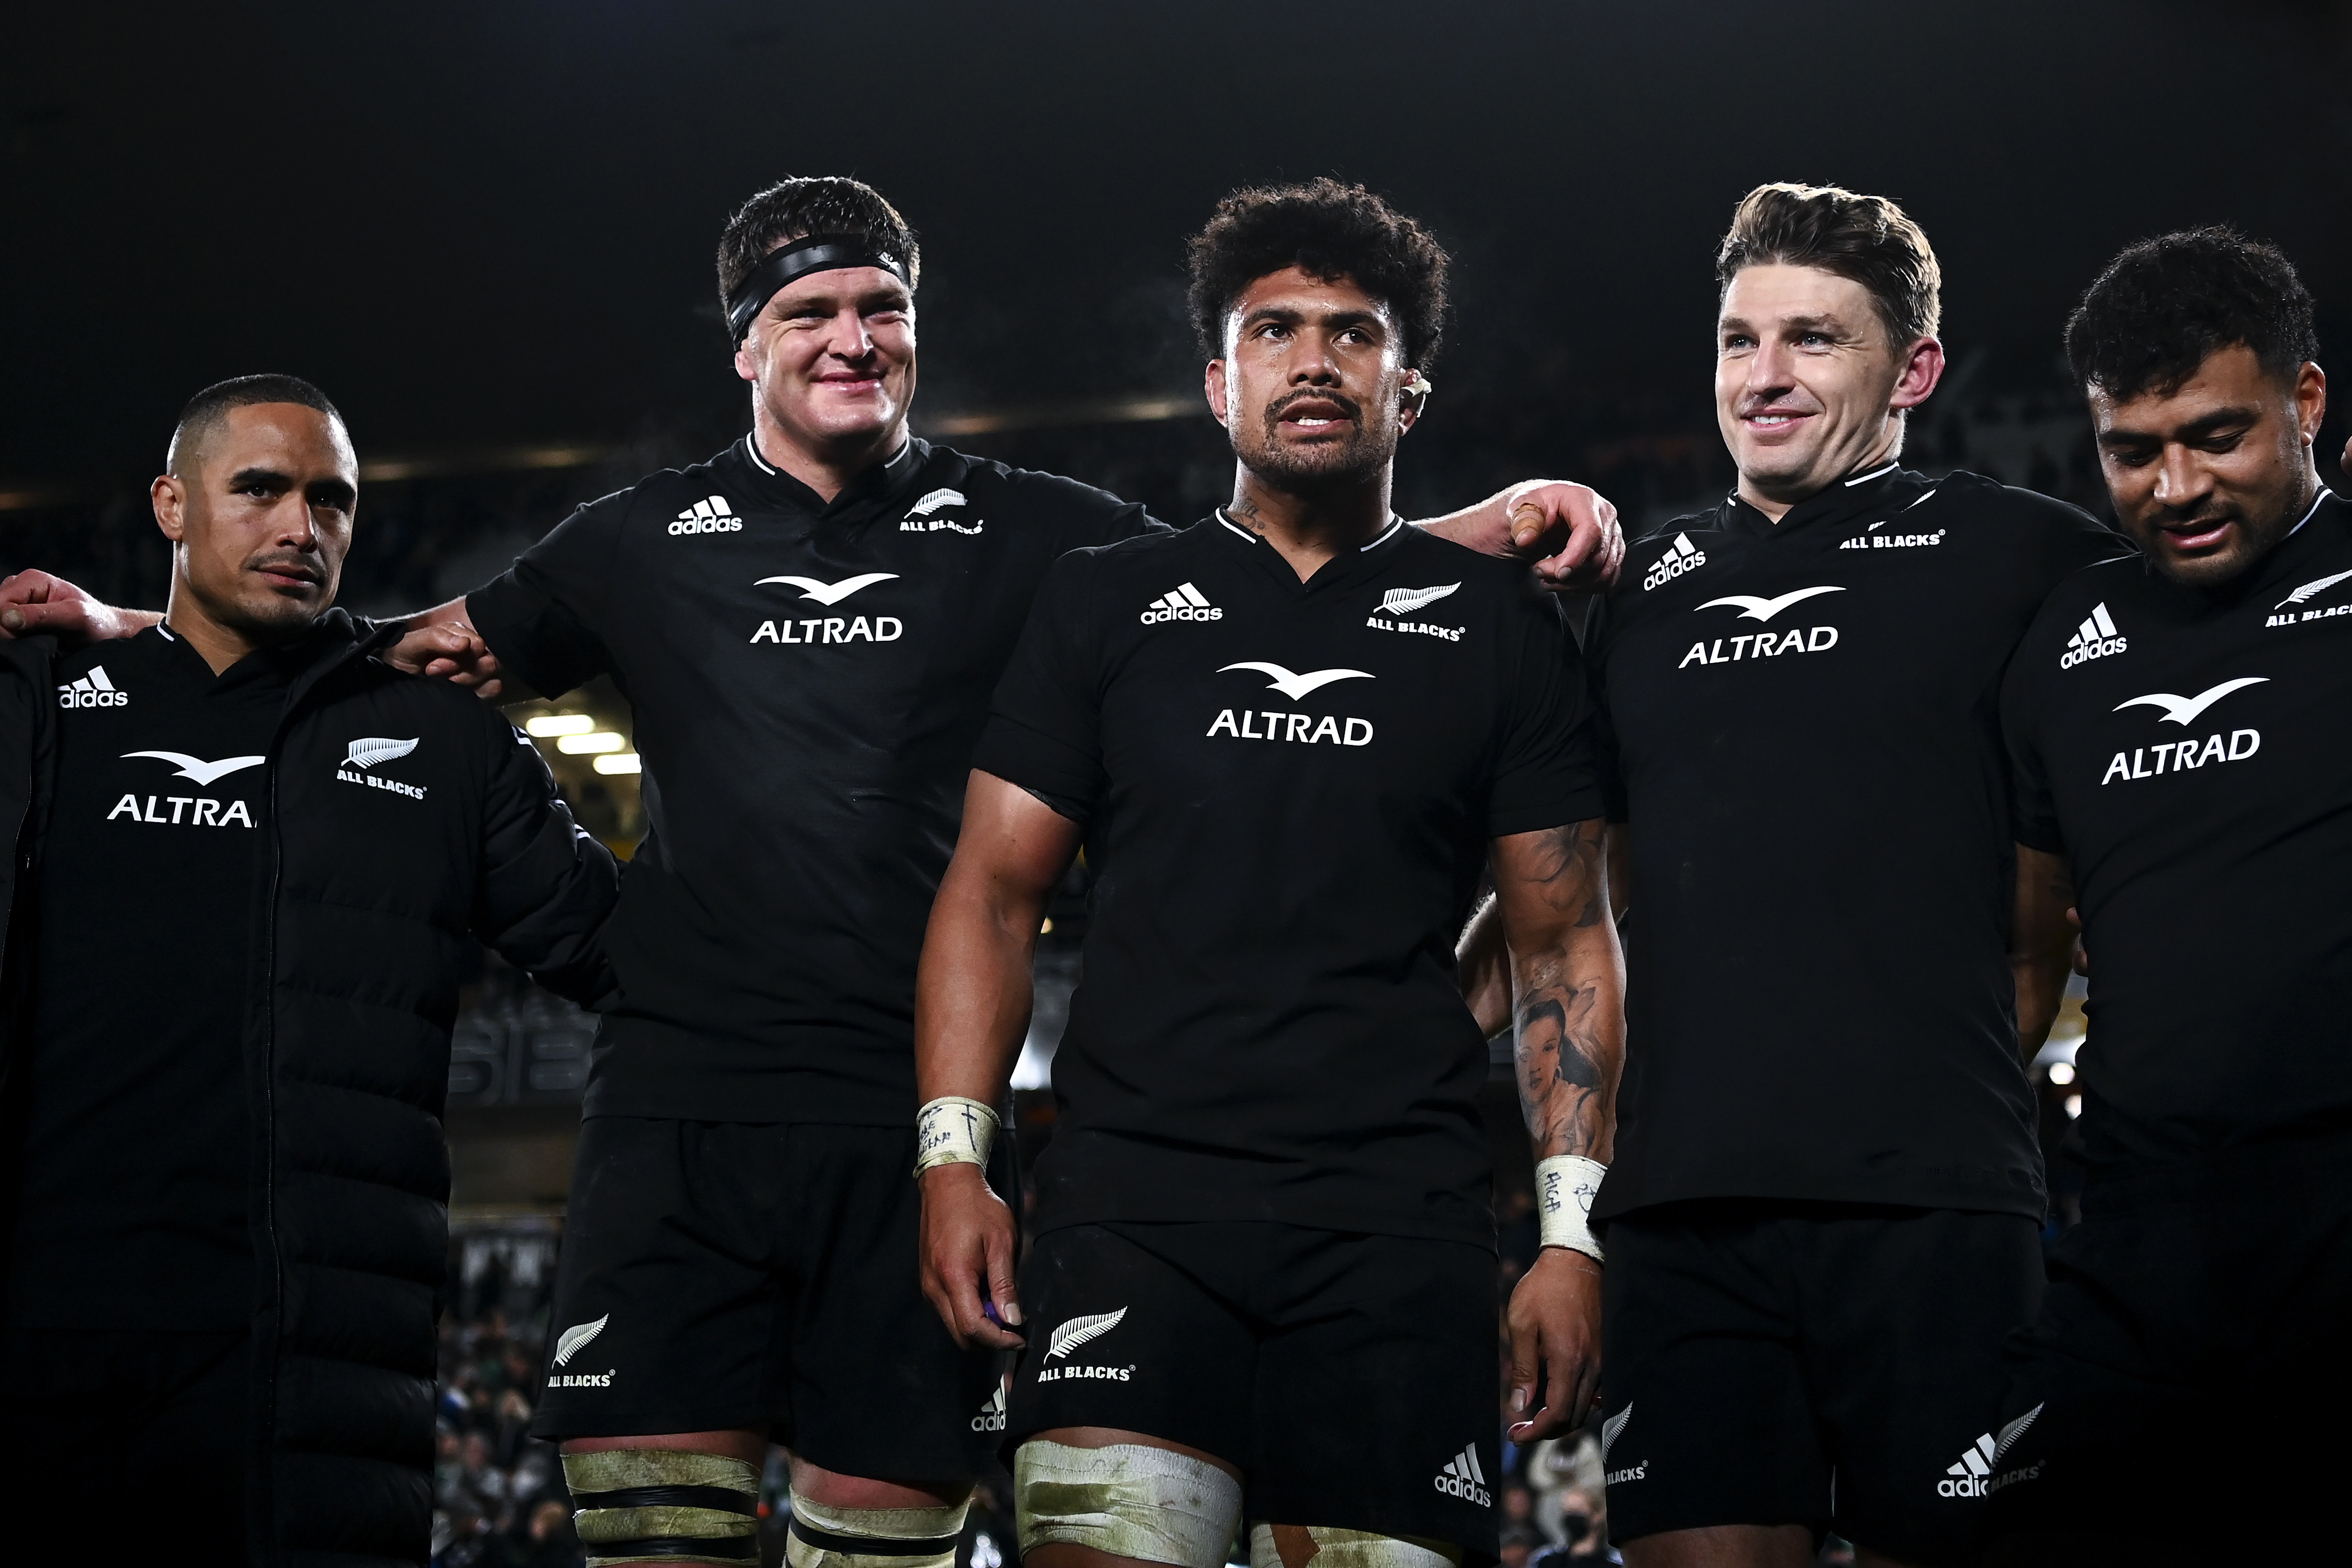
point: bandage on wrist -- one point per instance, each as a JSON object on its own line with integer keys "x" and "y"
{"x": 953, "y": 1131}
{"x": 1565, "y": 1187}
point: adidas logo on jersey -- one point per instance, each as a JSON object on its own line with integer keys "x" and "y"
{"x": 94, "y": 690}
{"x": 712, "y": 516}
{"x": 2096, "y": 637}
{"x": 1181, "y": 602}
{"x": 1680, "y": 557}
{"x": 992, "y": 1414}
{"x": 919, "y": 518}
{"x": 1971, "y": 1475}
{"x": 1462, "y": 1477}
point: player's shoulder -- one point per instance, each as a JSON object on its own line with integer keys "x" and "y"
{"x": 2025, "y": 511}
{"x": 2091, "y": 596}
{"x": 1421, "y": 553}
{"x": 1031, "y": 494}
{"x": 1135, "y": 557}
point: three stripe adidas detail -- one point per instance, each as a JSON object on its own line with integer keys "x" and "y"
{"x": 1462, "y": 1478}
{"x": 2096, "y": 637}
{"x": 1181, "y": 602}
{"x": 94, "y": 690}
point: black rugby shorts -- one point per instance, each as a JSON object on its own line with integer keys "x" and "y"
{"x": 138, "y": 1432}
{"x": 1823, "y": 1364}
{"x": 761, "y": 1277}
{"x": 2187, "y": 1386}
{"x": 1352, "y": 1379}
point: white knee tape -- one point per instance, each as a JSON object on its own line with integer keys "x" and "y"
{"x": 1327, "y": 1548}
{"x": 822, "y": 1536}
{"x": 1128, "y": 1500}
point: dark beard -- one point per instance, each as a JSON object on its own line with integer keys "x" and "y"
{"x": 1348, "y": 466}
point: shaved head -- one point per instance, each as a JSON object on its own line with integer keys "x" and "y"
{"x": 200, "y": 420}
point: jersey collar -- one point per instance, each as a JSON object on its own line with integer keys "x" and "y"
{"x": 1366, "y": 558}
{"x": 778, "y": 490}
{"x": 1846, "y": 500}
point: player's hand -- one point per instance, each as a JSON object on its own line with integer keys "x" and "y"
{"x": 1555, "y": 1322}
{"x": 450, "y": 651}
{"x": 32, "y": 603}
{"x": 1570, "y": 530}
{"x": 967, "y": 1258}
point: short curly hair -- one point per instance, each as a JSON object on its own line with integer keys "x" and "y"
{"x": 2164, "y": 304}
{"x": 794, "y": 209}
{"x": 1328, "y": 230}
{"x": 1868, "y": 240}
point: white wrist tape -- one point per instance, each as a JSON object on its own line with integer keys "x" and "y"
{"x": 952, "y": 1130}
{"x": 1565, "y": 1185}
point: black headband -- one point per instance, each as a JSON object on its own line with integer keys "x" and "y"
{"x": 817, "y": 253}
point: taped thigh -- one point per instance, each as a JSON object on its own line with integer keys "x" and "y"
{"x": 665, "y": 1505}
{"x": 823, "y": 1536}
{"x": 1128, "y": 1500}
{"x": 1297, "y": 1546}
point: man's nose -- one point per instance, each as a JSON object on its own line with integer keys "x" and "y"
{"x": 296, "y": 526}
{"x": 1772, "y": 370}
{"x": 1312, "y": 363}
{"x": 848, "y": 338}
{"x": 2181, "y": 482}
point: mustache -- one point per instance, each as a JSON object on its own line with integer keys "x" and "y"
{"x": 1340, "y": 400}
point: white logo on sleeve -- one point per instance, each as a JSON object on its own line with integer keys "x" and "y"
{"x": 1764, "y": 644}
{"x": 93, "y": 690}
{"x": 193, "y": 811}
{"x": 2293, "y": 617}
{"x": 1680, "y": 557}
{"x": 712, "y": 515}
{"x": 1181, "y": 602}
{"x": 2182, "y": 756}
{"x": 919, "y": 518}
{"x": 2096, "y": 637}
{"x": 1971, "y": 1475}
{"x": 1462, "y": 1477}
{"x": 1753, "y": 608}
{"x": 569, "y": 1343}
{"x": 366, "y": 752}
{"x": 202, "y": 772}
{"x": 1399, "y": 603}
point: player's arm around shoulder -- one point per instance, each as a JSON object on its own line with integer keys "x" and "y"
{"x": 1552, "y": 895}
{"x": 973, "y": 999}
{"x": 546, "y": 887}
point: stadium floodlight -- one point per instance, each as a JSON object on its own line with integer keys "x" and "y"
{"x": 602, "y": 740}
{"x": 620, "y": 763}
{"x": 547, "y": 724}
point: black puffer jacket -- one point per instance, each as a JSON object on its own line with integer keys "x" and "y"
{"x": 358, "y": 958}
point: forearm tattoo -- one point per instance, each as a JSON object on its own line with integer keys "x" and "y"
{"x": 1567, "y": 1030}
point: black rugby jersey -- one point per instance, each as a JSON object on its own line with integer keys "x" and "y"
{"x": 808, "y": 681}
{"x": 1293, "y": 786}
{"x": 129, "y": 1197}
{"x": 2186, "y": 749}
{"x": 1806, "y": 743}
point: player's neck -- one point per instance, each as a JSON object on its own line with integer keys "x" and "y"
{"x": 216, "y": 642}
{"x": 828, "y": 468}
{"x": 1309, "y": 528}
{"x": 1777, "y": 501}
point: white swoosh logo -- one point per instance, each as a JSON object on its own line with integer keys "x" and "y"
{"x": 1297, "y": 686}
{"x": 1078, "y": 1330}
{"x": 2181, "y": 710}
{"x": 370, "y": 750}
{"x": 831, "y": 593}
{"x": 568, "y": 1343}
{"x": 1752, "y": 608}
{"x": 2308, "y": 589}
{"x": 196, "y": 768}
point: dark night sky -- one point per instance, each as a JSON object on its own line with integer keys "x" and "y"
{"x": 492, "y": 222}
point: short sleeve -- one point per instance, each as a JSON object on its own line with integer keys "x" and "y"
{"x": 1045, "y": 729}
{"x": 2034, "y": 813}
{"x": 1544, "y": 771}
{"x": 1592, "y": 641}
{"x": 542, "y": 617}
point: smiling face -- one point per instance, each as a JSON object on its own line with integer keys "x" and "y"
{"x": 1808, "y": 386}
{"x": 831, "y": 359}
{"x": 1313, "y": 385}
{"x": 258, "y": 510}
{"x": 2210, "y": 475}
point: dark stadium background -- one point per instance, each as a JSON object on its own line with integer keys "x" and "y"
{"x": 486, "y": 230}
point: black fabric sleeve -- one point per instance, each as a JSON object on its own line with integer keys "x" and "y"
{"x": 546, "y": 886}
{"x": 1045, "y": 731}
{"x": 542, "y": 617}
{"x": 1591, "y": 618}
{"x": 2033, "y": 815}
{"x": 1544, "y": 772}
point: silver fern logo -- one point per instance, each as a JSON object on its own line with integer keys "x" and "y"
{"x": 1405, "y": 601}
{"x": 1611, "y": 1427}
{"x": 370, "y": 750}
{"x": 570, "y": 1343}
{"x": 2013, "y": 1432}
{"x": 1081, "y": 1331}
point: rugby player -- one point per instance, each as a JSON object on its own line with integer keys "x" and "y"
{"x": 808, "y": 625}
{"x": 2176, "y": 724}
{"x": 1822, "y": 1215}
{"x": 1263, "y": 1283}
{"x": 244, "y": 853}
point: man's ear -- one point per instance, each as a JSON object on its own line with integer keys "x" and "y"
{"x": 1214, "y": 378}
{"x": 1416, "y": 392}
{"x": 1923, "y": 367}
{"x": 170, "y": 496}
{"x": 2311, "y": 401}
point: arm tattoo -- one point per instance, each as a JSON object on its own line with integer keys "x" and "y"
{"x": 1569, "y": 870}
{"x": 1565, "y": 983}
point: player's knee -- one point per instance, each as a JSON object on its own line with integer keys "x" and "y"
{"x": 822, "y": 1535}
{"x": 1127, "y": 1501}
{"x": 1296, "y": 1546}
{"x": 665, "y": 1505}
